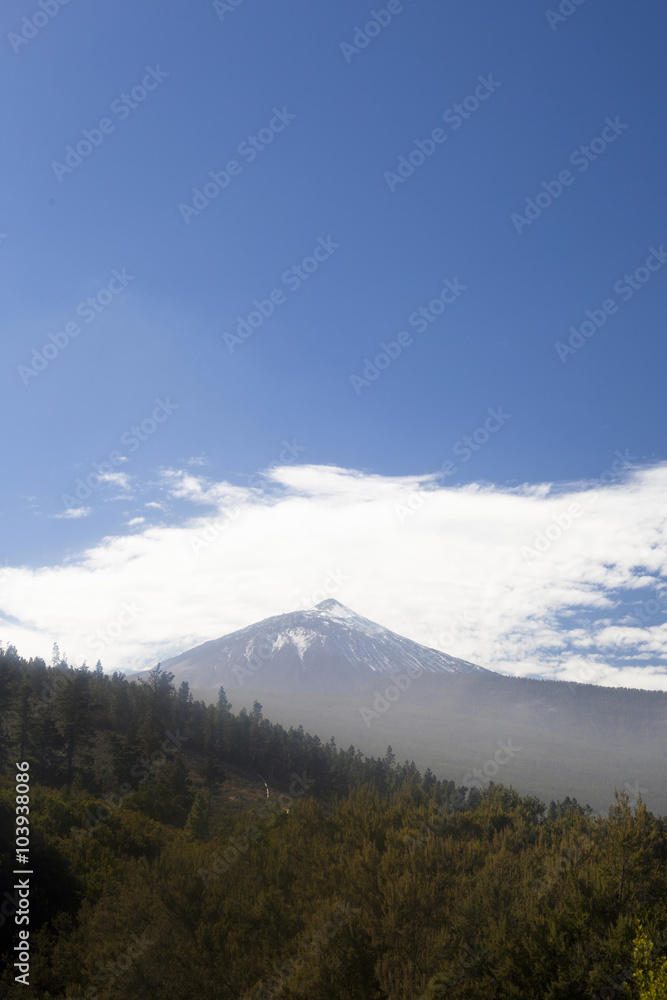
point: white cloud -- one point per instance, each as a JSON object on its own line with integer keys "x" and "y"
{"x": 456, "y": 572}
{"x": 120, "y": 479}
{"x": 73, "y": 512}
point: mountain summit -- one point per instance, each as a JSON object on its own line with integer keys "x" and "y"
{"x": 326, "y": 649}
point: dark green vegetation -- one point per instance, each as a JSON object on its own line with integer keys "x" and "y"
{"x": 167, "y": 874}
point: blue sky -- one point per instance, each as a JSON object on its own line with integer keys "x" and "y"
{"x": 220, "y": 76}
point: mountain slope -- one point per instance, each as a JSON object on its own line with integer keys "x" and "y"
{"x": 327, "y": 649}
{"x": 329, "y": 670}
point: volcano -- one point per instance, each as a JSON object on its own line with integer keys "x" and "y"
{"x": 328, "y": 649}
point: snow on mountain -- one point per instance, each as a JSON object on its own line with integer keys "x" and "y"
{"x": 326, "y": 649}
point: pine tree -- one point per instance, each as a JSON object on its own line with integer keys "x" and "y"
{"x": 428, "y": 781}
{"x": 196, "y": 825}
{"x": 628, "y": 846}
{"x": 159, "y": 688}
{"x": 224, "y": 722}
{"x": 223, "y": 705}
{"x": 47, "y": 748}
{"x": 73, "y": 703}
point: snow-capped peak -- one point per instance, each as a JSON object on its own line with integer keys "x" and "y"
{"x": 326, "y": 648}
{"x": 334, "y": 609}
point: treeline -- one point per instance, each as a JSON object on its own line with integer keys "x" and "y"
{"x": 58, "y": 717}
{"x": 162, "y": 871}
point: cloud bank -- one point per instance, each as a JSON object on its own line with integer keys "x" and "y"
{"x": 559, "y": 581}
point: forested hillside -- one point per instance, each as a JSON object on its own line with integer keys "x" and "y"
{"x": 185, "y": 851}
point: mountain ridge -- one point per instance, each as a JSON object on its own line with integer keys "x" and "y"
{"x": 325, "y": 649}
